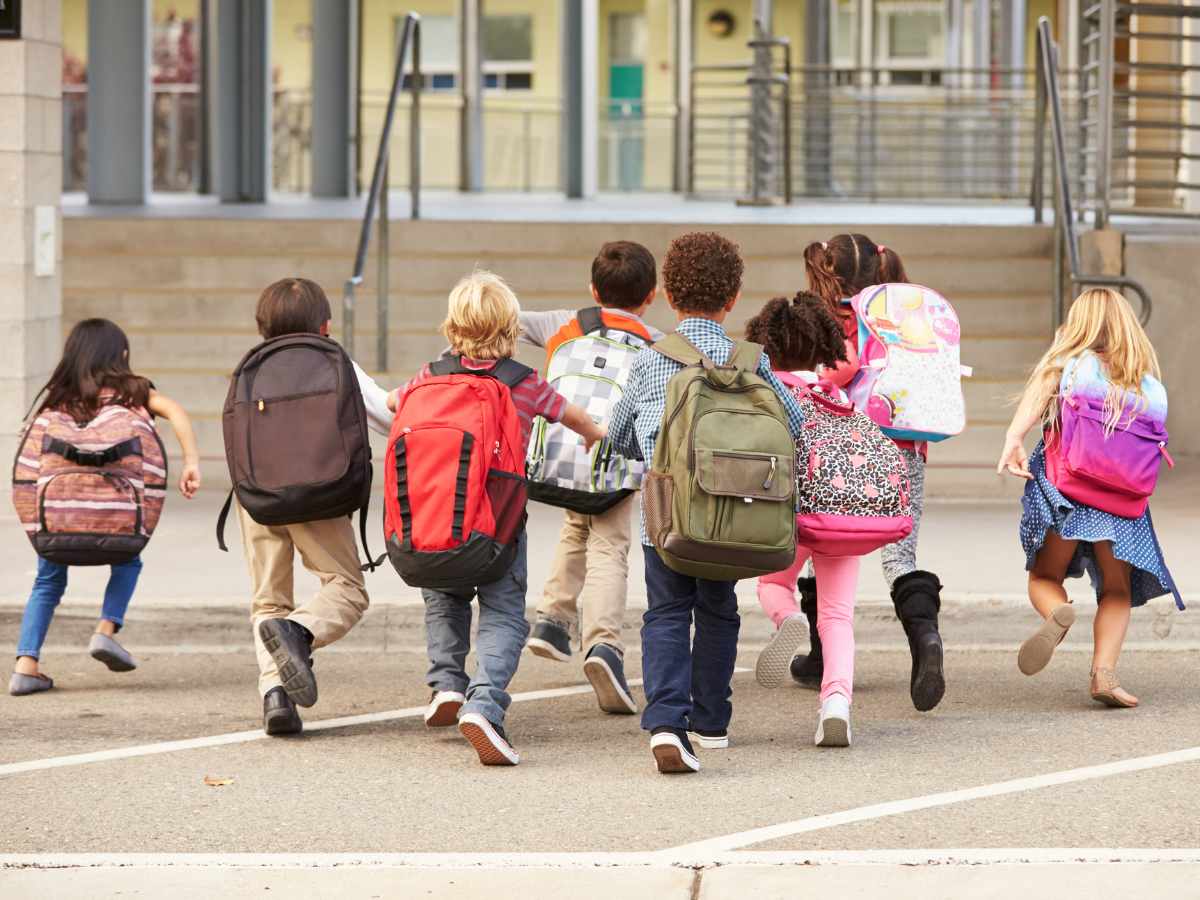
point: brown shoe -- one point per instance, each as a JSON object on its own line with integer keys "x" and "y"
{"x": 1107, "y": 690}
{"x": 1036, "y": 651}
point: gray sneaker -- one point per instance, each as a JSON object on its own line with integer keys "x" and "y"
{"x": 112, "y": 654}
{"x": 605, "y": 669}
{"x": 22, "y": 685}
{"x": 549, "y": 640}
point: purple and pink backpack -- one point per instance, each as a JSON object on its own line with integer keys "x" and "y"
{"x": 853, "y": 488}
{"x": 1116, "y": 471}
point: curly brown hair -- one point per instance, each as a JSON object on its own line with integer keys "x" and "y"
{"x": 702, "y": 272}
{"x": 798, "y": 334}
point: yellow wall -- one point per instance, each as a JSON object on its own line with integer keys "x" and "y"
{"x": 75, "y": 13}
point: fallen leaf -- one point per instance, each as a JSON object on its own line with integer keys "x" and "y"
{"x": 216, "y": 781}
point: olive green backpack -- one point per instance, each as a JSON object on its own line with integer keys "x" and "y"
{"x": 718, "y": 498}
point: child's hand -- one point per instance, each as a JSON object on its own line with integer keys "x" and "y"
{"x": 1013, "y": 459}
{"x": 595, "y": 434}
{"x": 393, "y": 399}
{"x": 189, "y": 480}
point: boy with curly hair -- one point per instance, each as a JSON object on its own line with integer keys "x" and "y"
{"x": 687, "y": 682}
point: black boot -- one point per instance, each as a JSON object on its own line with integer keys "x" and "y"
{"x": 807, "y": 670}
{"x": 917, "y": 597}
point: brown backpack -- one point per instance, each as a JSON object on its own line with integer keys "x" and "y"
{"x": 296, "y": 434}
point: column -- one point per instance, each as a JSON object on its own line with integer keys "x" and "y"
{"x": 818, "y": 128}
{"x": 580, "y": 55}
{"x": 470, "y": 129}
{"x": 685, "y": 36}
{"x": 31, "y": 171}
{"x": 334, "y": 67}
{"x": 242, "y": 100}
{"x": 118, "y": 138}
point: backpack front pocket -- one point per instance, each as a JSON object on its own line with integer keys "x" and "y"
{"x": 85, "y": 501}
{"x": 747, "y": 497}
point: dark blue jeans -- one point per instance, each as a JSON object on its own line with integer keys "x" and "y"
{"x": 687, "y": 680}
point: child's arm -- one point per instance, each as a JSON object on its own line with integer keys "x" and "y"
{"x": 1013, "y": 457}
{"x": 377, "y": 401}
{"x": 189, "y": 478}
{"x": 538, "y": 327}
{"x": 577, "y": 419}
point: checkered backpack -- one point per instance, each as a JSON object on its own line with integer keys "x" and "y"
{"x": 588, "y": 362}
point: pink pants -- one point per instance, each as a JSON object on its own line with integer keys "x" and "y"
{"x": 837, "y": 583}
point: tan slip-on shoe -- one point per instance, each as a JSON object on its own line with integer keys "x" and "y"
{"x": 1035, "y": 653}
{"x": 1107, "y": 690}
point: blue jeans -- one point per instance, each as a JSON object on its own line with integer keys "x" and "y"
{"x": 501, "y": 638}
{"x": 687, "y": 681}
{"x": 48, "y": 589}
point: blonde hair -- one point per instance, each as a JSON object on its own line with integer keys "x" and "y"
{"x": 481, "y": 322}
{"x": 1100, "y": 321}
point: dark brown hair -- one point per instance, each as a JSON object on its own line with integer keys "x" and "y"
{"x": 624, "y": 274}
{"x": 846, "y": 264}
{"x": 798, "y": 334}
{"x": 702, "y": 272}
{"x": 292, "y": 306}
{"x": 95, "y": 361}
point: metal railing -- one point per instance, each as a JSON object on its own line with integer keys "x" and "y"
{"x": 1049, "y": 100}
{"x": 378, "y": 196}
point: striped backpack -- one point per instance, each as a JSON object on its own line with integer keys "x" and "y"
{"x": 90, "y": 495}
{"x": 588, "y": 362}
{"x": 853, "y": 488}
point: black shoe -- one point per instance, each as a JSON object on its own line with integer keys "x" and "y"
{"x": 280, "y": 715}
{"x": 917, "y": 597}
{"x": 808, "y": 670}
{"x": 673, "y": 753}
{"x": 710, "y": 740}
{"x": 605, "y": 669}
{"x": 290, "y": 645}
{"x": 549, "y": 640}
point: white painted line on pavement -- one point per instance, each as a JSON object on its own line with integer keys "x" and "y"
{"x": 905, "y": 857}
{"x": 245, "y": 737}
{"x": 930, "y": 801}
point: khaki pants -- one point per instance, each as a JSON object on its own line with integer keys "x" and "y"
{"x": 591, "y": 570}
{"x": 327, "y": 549}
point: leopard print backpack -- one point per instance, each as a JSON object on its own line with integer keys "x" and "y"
{"x": 853, "y": 490}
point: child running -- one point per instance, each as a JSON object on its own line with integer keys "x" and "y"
{"x": 799, "y": 336}
{"x": 589, "y": 577}
{"x": 1100, "y": 353}
{"x": 94, "y": 373}
{"x": 838, "y": 269}
{"x": 482, "y": 328}
{"x": 687, "y": 680}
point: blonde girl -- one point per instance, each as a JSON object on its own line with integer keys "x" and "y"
{"x": 1101, "y": 352}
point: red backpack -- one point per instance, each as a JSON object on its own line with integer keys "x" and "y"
{"x": 454, "y": 481}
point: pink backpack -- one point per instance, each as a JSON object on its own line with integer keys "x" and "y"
{"x": 853, "y": 491}
{"x": 1114, "y": 472}
{"x": 90, "y": 495}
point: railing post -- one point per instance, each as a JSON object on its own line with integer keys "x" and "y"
{"x": 414, "y": 126}
{"x": 1037, "y": 191}
{"x": 384, "y": 262}
{"x": 1104, "y": 118}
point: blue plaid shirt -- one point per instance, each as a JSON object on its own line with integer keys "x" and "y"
{"x": 638, "y": 415}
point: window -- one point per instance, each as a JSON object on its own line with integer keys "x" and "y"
{"x": 507, "y": 52}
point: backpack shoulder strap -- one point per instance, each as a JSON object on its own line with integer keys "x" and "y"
{"x": 590, "y": 320}
{"x": 510, "y": 372}
{"x": 745, "y": 355}
{"x": 678, "y": 348}
{"x": 448, "y": 365}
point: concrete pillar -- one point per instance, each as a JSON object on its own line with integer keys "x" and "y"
{"x": 818, "y": 121}
{"x": 30, "y": 252}
{"x": 580, "y": 54}
{"x": 334, "y": 71}
{"x": 118, "y": 136}
{"x": 242, "y": 101}
{"x": 470, "y": 129}
{"x": 685, "y": 39}
{"x": 982, "y": 36}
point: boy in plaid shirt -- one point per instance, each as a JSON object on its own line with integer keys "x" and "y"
{"x": 589, "y": 577}
{"x": 687, "y": 682}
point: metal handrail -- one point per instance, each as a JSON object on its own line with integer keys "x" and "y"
{"x": 1050, "y": 99}
{"x": 378, "y": 194}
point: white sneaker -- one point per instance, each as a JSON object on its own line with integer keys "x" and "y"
{"x": 710, "y": 740}
{"x": 833, "y": 729}
{"x": 776, "y": 658}
{"x": 443, "y": 709}
{"x": 673, "y": 754}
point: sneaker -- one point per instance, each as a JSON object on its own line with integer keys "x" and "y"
{"x": 710, "y": 740}
{"x": 108, "y": 651}
{"x": 673, "y": 753}
{"x": 776, "y": 658}
{"x": 489, "y": 740}
{"x": 443, "y": 708}
{"x": 290, "y": 645}
{"x": 280, "y": 715}
{"x": 833, "y": 728}
{"x": 605, "y": 669}
{"x": 549, "y": 640}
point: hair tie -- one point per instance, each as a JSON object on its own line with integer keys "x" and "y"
{"x": 879, "y": 248}
{"x": 824, "y": 246}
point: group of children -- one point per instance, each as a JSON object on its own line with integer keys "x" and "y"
{"x": 691, "y": 626}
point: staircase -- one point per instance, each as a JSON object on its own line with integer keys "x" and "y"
{"x": 185, "y": 291}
